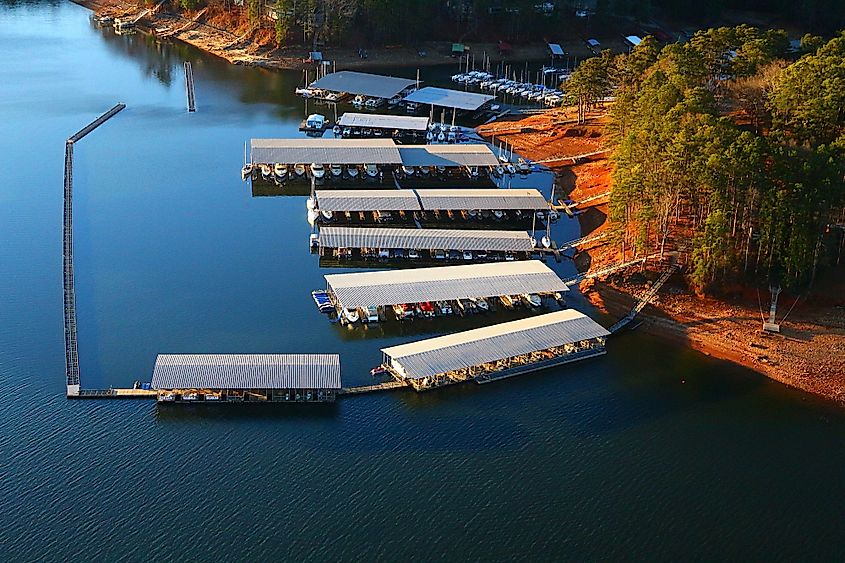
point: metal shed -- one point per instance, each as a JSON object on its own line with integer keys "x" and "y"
{"x": 365, "y": 84}
{"x": 446, "y": 98}
{"x": 392, "y": 287}
{"x": 425, "y": 239}
{"x": 324, "y": 151}
{"x": 382, "y": 121}
{"x": 452, "y": 199}
{"x": 447, "y": 155}
{"x": 367, "y": 200}
{"x": 465, "y": 350}
{"x": 246, "y": 371}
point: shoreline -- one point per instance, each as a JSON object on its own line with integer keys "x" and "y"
{"x": 241, "y": 51}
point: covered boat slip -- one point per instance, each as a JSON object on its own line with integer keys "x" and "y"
{"x": 498, "y": 351}
{"x": 492, "y": 199}
{"x": 452, "y": 99}
{"x": 368, "y": 151}
{"x": 363, "y": 84}
{"x": 385, "y": 122}
{"x": 366, "y": 200}
{"x": 246, "y": 377}
{"x": 324, "y": 151}
{"x": 430, "y": 200}
{"x": 396, "y": 287}
{"x": 407, "y": 243}
{"x": 462, "y": 155}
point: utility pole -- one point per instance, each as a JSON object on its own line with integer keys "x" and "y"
{"x": 771, "y": 325}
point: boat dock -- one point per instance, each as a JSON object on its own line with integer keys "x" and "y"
{"x": 497, "y": 351}
{"x": 68, "y": 287}
{"x": 189, "y": 87}
{"x": 115, "y": 393}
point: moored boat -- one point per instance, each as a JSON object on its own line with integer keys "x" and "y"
{"x": 266, "y": 172}
{"x": 336, "y": 170}
{"x": 299, "y": 169}
{"x": 280, "y": 170}
{"x": 318, "y": 170}
{"x": 246, "y": 171}
{"x": 350, "y": 315}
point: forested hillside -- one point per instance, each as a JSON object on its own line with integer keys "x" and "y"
{"x": 727, "y": 152}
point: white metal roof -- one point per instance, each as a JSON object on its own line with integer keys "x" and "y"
{"x": 246, "y": 371}
{"x": 449, "y": 98}
{"x": 367, "y": 200}
{"x": 391, "y": 287}
{"x": 556, "y": 49}
{"x": 451, "y": 199}
{"x": 447, "y": 155}
{"x": 382, "y": 121}
{"x": 324, "y": 151}
{"x": 471, "y": 348}
{"x": 633, "y": 40}
{"x": 365, "y": 84}
{"x": 422, "y": 239}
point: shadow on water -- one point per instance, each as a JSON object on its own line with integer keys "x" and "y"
{"x": 271, "y": 411}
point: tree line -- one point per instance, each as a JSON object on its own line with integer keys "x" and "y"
{"x": 725, "y": 150}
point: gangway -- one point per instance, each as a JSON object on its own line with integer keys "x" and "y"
{"x": 189, "y": 87}
{"x": 644, "y": 299}
{"x": 608, "y": 270}
{"x": 582, "y": 241}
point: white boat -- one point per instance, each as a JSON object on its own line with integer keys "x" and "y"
{"x": 352, "y": 170}
{"x": 304, "y": 92}
{"x": 299, "y": 169}
{"x": 337, "y": 130}
{"x": 473, "y": 171}
{"x": 498, "y": 214}
{"x": 482, "y": 304}
{"x": 350, "y": 315}
{"x": 318, "y": 170}
{"x": 372, "y": 103}
{"x": 315, "y": 122}
{"x": 371, "y": 314}
{"x": 280, "y": 170}
{"x": 441, "y": 137}
{"x": 246, "y": 171}
{"x": 429, "y": 136}
{"x": 408, "y": 170}
{"x": 371, "y": 170}
{"x": 310, "y": 203}
{"x": 531, "y": 299}
{"x": 327, "y": 215}
{"x": 359, "y": 100}
{"x": 189, "y": 396}
{"x": 336, "y": 170}
{"x": 314, "y": 240}
{"x": 546, "y": 242}
{"x": 212, "y": 397}
{"x": 523, "y": 166}
{"x": 167, "y": 397}
{"x": 510, "y": 169}
{"x": 424, "y": 170}
{"x": 266, "y": 172}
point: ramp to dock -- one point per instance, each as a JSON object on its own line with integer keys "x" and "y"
{"x": 386, "y": 386}
{"x": 643, "y": 300}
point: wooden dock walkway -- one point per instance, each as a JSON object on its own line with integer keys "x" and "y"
{"x": 189, "y": 87}
{"x": 71, "y": 347}
{"x": 386, "y": 386}
{"x": 113, "y": 393}
{"x": 608, "y": 270}
{"x": 582, "y": 241}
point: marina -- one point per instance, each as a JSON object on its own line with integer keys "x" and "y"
{"x": 498, "y": 351}
{"x": 366, "y": 90}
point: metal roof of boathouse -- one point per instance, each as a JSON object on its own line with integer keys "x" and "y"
{"x": 365, "y": 84}
{"x": 383, "y": 121}
{"x": 447, "y": 155}
{"x": 426, "y": 358}
{"x": 246, "y": 371}
{"x": 449, "y": 98}
{"x": 452, "y": 199}
{"x": 421, "y": 239}
{"x": 367, "y": 200}
{"x": 324, "y": 151}
{"x": 391, "y": 287}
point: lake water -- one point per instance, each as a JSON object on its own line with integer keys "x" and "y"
{"x": 651, "y": 452}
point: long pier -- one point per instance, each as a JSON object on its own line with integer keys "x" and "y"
{"x": 608, "y": 270}
{"x": 582, "y": 241}
{"x": 71, "y": 347}
{"x": 189, "y": 87}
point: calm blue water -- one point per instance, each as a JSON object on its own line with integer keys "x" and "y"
{"x": 653, "y": 452}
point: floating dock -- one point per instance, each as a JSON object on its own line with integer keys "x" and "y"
{"x": 451, "y": 99}
{"x": 357, "y": 124}
{"x": 189, "y": 87}
{"x": 374, "y": 86}
{"x": 422, "y": 244}
{"x": 246, "y": 378}
{"x": 447, "y": 283}
{"x": 498, "y": 351}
